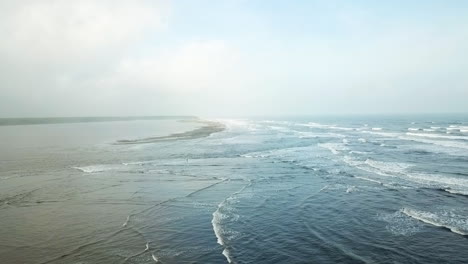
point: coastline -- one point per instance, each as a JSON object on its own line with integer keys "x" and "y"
{"x": 11, "y": 121}
{"x": 209, "y": 128}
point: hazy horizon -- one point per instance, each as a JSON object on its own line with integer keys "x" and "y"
{"x": 232, "y": 58}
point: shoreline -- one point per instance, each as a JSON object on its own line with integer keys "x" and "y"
{"x": 73, "y": 120}
{"x": 210, "y": 127}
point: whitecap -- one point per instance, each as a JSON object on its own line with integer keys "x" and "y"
{"x": 455, "y": 223}
{"x": 443, "y": 143}
{"x": 436, "y": 136}
{"x": 93, "y": 168}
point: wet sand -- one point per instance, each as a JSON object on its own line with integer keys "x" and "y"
{"x": 209, "y": 128}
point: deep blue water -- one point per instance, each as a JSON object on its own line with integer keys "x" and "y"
{"x": 388, "y": 189}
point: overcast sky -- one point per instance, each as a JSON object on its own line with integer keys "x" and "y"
{"x": 232, "y": 57}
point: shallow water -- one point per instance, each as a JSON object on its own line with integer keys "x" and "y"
{"x": 387, "y": 189}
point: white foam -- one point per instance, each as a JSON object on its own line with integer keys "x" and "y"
{"x": 383, "y": 134}
{"x": 453, "y": 191}
{"x": 342, "y": 128}
{"x": 93, "y": 168}
{"x": 335, "y": 148}
{"x": 388, "y": 167}
{"x": 256, "y": 155}
{"x": 440, "y": 181}
{"x": 126, "y": 222}
{"x": 325, "y": 126}
{"x": 436, "y": 136}
{"x": 368, "y": 179}
{"x": 455, "y": 223}
{"x": 324, "y": 188}
{"x": 318, "y": 135}
{"x": 362, "y": 140}
{"x": 401, "y": 170}
{"x": 154, "y": 258}
{"x": 359, "y": 152}
{"x": 413, "y": 129}
{"x": 443, "y": 143}
{"x": 217, "y": 220}
{"x": 399, "y": 223}
{"x": 314, "y": 125}
{"x": 376, "y": 128}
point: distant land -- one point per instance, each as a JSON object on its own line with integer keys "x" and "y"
{"x": 63, "y": 120}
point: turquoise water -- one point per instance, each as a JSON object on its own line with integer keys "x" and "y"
{"x": 375, "y": 189}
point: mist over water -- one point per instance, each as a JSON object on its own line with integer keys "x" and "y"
{"x": 381, "y": 189}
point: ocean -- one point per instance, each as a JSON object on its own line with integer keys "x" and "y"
{"x": 354, "y": 189}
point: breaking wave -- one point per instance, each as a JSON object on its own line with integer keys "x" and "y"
{"x": 455, "y": 223}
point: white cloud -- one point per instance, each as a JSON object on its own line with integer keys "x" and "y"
{"x": 47, "y": 31}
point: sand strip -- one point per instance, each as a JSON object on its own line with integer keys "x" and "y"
{"x": 209, "y": 128}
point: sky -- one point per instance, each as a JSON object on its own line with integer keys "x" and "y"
{"x": 232, "y": 57}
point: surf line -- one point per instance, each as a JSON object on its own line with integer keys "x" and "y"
{"x": 216, "y": 223}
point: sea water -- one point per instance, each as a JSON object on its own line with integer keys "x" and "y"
{"x": 362, "y": 189}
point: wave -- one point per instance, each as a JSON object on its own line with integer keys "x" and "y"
{"x": 456, "y": 224}
{"x": 93, "y": 168}
{"x": 217, "y": 221}
{"x": 318, "y": 135}
{"x": 360, "y": 152}
{"x": 461, "y": 129}
{"x": 126, "y": 221}
{"x": 335, "y": 148}
{"x": 368, "y": 179}
{"x": 456, "y": 185}
{"x": 383, "y": 134}
{"x": 414, "y": 129}
{"x": 437, "y": 181}
{"x": 155, "y": 258}
{"x": 399, "y": 223}
{"x": 436, "y": 136}
{"x": 314, "y": 125}
{"x": 443, "y": 143}
{"x": 351, "y": 189}
{"x": 324, "y": 126}
{"x": 453, "y": 191}
{"x": 365, "y": 167}
{"x": 376, "y": 128}
{"x": 388, "y": 167}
